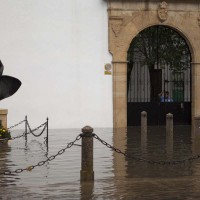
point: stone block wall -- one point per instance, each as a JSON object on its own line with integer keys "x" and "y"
{"x": 126, "y": 18}
{"x": 3, "y": 117}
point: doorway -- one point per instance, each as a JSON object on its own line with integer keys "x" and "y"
{"x": 159, "y": 77}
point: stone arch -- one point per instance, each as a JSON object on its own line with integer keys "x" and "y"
{"x": 130, "y": 30}
{"x": 143, "y": 90}
{"x": 176, "y": 28}
{"x": 124, "y": 25}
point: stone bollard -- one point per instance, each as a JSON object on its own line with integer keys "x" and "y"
{"x": 169, "y": 135}
{"x": 143, "y": 123}
{"x": 144, "y": 132}
{"x": 169, "y": 124}
{"x": 87, "y": 173}
{"x": 196, "y": 126}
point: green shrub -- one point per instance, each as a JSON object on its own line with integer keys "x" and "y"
{"x": 4, "y": 133}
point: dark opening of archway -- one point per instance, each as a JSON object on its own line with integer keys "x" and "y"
{"x": 159, "y": 77}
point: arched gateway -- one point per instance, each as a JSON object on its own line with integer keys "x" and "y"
{"x": 158, "y": 77}
{"x": 128, "y": 18}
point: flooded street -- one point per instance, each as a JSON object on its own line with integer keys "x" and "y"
{"x": 116, "y": 176}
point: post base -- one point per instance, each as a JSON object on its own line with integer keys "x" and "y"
{"x": 87, "y": 176}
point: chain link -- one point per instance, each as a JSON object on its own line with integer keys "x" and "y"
{"x": 31, "y": 131}
{"x": 24, "y": 134}
{"x": 45, "y": 140}
{"x": 19, "y": 136}
{"x": 161, "y": 162}
{"x": 70, "y": 144}
{"x": 16, "y": 124}
{"x": 60, "y": 152}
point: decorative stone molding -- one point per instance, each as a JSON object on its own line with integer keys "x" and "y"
{"x": 127, "y": 19}
{"x": 116, "y": 25}
{"x": 162, "y": 11}
{"x": 198, "y": 19}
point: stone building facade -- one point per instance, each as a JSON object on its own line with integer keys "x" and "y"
{"x": 127, "y": 18}
{"x": 3, "y": 117}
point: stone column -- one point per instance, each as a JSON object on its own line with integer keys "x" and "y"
{"x": 119, "y": 94}
{"x": 195, "y": 91}
{"x": 120, "y": 162}
{"x": 3, "y": 117}
{"x": 87, "y": 173}
{"x": 196, "y": 127}
{"x": 196, "y": 136}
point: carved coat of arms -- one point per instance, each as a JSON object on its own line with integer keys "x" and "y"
{"x": 162, "y": 11}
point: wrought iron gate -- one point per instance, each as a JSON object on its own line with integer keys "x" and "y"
{"x": 160, "y": 89}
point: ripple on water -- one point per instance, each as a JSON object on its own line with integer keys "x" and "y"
{"x": 116, "y": 177}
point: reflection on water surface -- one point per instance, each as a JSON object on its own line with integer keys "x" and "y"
{"x": 116, "y": 177}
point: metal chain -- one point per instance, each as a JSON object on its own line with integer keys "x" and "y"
{"x": 19, "y": 136}
{"x": 23, "y": 135}
{"x": 45, "y": 140}
{"x": 16, "y": 124}
{"x": 36, "y": 128}
{"x": 69, "y": 145}
{"x": 13, "y": 138}
{"x": 173, "y": 162}
{"x": 60, "y": 152}
{"x": 31, "y": 131}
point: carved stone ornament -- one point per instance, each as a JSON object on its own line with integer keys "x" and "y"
{"x": 116, "y": 25}
{"x": 162, "y": 11}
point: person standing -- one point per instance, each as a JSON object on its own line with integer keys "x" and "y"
{"x": 164, "y": 97}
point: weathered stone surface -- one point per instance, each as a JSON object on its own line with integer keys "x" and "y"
{"x": 127, "y": 18}
{"x": 169, "y": 125}
{"x": 87, "y": 173}
{"x": 87, "y": 129}
{"x": 3, "y": 117}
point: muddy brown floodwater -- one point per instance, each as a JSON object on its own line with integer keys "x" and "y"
{"x": 116, "y": 176}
